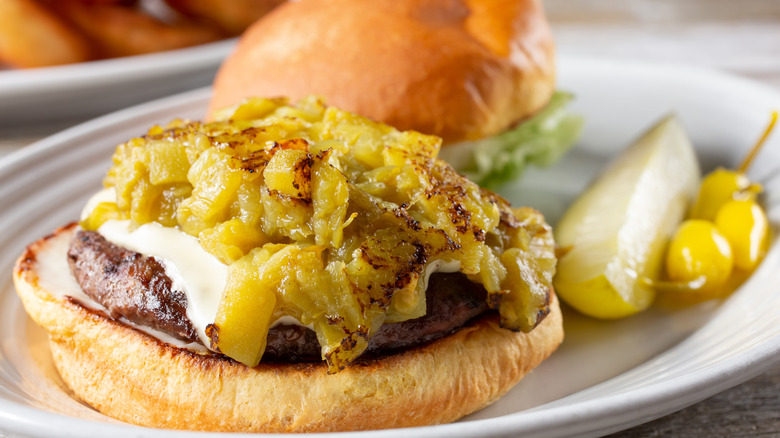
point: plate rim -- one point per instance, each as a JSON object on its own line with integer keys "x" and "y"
{"x": 18, "y": 82}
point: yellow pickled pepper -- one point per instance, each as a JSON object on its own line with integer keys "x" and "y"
{"x": 727, "y": 227}
{"x": 699, "y": 254}
{"x": 746, "y": 227}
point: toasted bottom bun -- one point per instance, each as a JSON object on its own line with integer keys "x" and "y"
{"x": 129, "y": 375}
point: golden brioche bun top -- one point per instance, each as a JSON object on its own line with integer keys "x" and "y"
{"x": 458, "y": 69}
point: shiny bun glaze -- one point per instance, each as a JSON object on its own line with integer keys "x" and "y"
{"x": 458, "y": 69}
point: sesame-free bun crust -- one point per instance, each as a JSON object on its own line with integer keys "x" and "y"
{"x": 458, "y": 69}
{"x": 129, "y": 375}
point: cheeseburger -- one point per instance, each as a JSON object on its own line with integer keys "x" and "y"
{"x": 289, "y": 268}
{"x": 478, "y": 73}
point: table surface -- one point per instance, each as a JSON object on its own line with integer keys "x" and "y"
{"x": 742, "y": 37}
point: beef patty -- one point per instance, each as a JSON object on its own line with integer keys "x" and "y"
{"x": 136, "y": 287}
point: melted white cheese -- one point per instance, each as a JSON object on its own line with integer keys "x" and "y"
{"x": 195, "y": 272}
{"x": 438, "y": 266}
{"x": 105, "y": 195}
{"x": 200, "y": 275}
{"x": 290, "y": 320}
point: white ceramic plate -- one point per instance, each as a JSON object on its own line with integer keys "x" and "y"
{"x": 605, "y": 377}
{"x": 60, "y": 95}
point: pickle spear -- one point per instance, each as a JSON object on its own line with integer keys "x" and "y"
{"x": 617, "y": 229}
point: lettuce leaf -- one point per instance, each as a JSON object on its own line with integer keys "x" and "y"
{"x": 540, "y": 141}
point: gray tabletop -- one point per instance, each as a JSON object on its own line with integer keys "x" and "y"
{"x": 750, "y": 409}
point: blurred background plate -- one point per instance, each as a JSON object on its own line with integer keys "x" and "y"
{"x": 607, "y": 375}
{"x": 50, "y": 98}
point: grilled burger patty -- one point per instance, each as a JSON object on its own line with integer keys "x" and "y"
{"x": 129, "y": 285}
{"x": 136, "y": 287}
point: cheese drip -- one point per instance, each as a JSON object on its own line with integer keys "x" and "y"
{"x": 198, "y": 274}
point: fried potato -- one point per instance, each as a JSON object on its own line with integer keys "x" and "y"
{"x": 130, "y": 3}
{"x": 37, "y": 33}
{"x": 231, "y": 16}
{"x": 32, "y": 36}
{"x": 121, "y": 31}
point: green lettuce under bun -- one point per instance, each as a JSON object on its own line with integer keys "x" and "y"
{"x": 541, "y": 140}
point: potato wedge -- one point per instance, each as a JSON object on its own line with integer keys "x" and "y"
{"x": 32, "y": 36}
{"x": 121, "y": 31}
{"x": 231, "y": 16}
